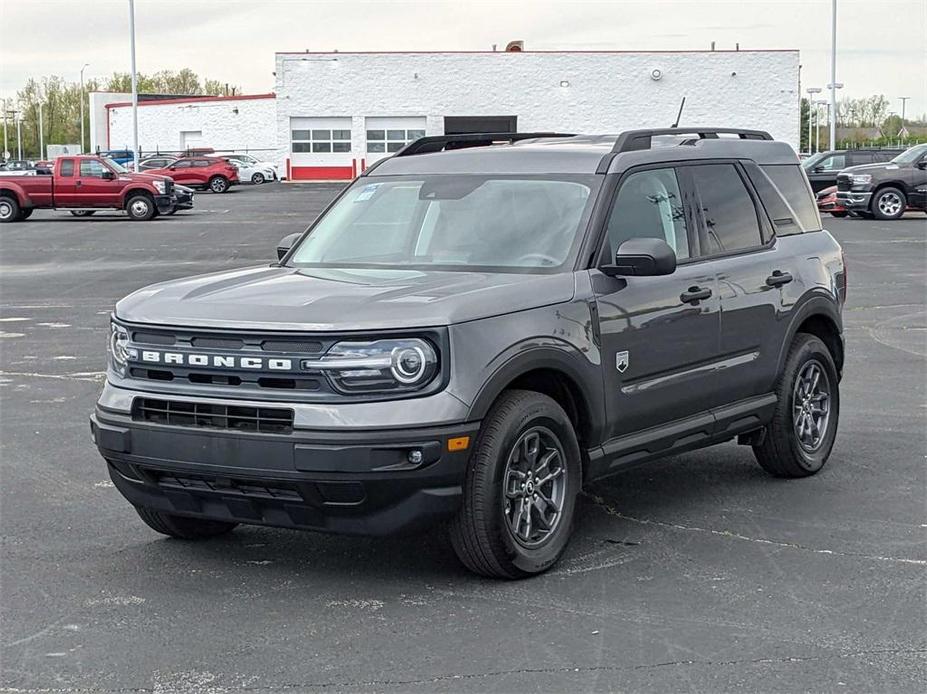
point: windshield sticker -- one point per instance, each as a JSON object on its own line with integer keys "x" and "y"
{"x": 368, "y": 192}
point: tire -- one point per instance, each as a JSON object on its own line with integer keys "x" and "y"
{"x": 25, "y": 213}
{"x": 838, "y": 214}
{"x": 140, "y": 208}
{"x": 481, "y": 533}
{"x": 82, "y": 213}
{"x": 9, "y": 210}
{"x": 782, "y": 453}
{"x": 181, "y": 527}
{"x": 258, "y": 179}
{"x": 888, "y": 203}
{"x": 865, "y": 215}
{"x": 218, "y": 184}
{"x": 171, "y": 212}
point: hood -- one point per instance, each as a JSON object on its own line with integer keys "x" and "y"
{"x": 142, "y": 177}
{"x": 870, "y": 168}
{"x": 283, "y": 298}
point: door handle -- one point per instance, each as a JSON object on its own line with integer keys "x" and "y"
{"x": 76, "y": 183}
{"x": 778, "y": 278}
{"x": 694, "y": 295}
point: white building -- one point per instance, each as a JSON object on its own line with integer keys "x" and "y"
{"x": 336, "y": 113}
{"x": 225, "y": 123}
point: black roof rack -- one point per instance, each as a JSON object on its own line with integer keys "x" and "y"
{"x": 635, "y": 140}
{"x": 440, "y": 143}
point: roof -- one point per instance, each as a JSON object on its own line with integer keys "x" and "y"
{"x": 581, "y": 154}
{"x": 192, "y": 100}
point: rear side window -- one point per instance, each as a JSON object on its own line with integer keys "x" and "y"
{"x": 67, "y": 167}
{"x": 793, "y": 186}
{"x": 182, "y": 164}
{"x": 728, "y": 212}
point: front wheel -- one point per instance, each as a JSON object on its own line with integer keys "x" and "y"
{"x": 140, "y": 208}
{"x": 257, "y": 179}
{"x": 181, "y": 527}
{"x": 888, "y": 203}
{"x": 801, "y": 435}
{"x": 520, "y": 489}
{"x": 9, "y": 210}
{"x": 218, "y": 184}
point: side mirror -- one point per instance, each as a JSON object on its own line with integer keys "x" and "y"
{"x": 817, "y": 169}
{"x": 922, "y": 164}
{"x": 108, "y": 176}
{"x": 642, "y": 257}
{"x": 286, "y": 243}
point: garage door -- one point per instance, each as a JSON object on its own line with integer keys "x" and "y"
{"x": 385, "y": 135}
{"x": 321, "y": 150}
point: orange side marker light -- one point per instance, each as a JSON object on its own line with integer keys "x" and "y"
{"x": 458, "y": 443}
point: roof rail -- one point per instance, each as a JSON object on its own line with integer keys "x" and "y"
{"x": 439, "y": 143}
{"x": 634, "y": 140}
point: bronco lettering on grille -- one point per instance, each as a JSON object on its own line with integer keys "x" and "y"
{"x": 216, "y": 361}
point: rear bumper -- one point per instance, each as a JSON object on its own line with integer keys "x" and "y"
{"x": 349, "y": 482}
{"x": 853, "y": 200}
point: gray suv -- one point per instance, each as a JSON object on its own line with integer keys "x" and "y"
{"x": 476, "y": 328}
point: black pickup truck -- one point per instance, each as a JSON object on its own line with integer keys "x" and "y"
{"x": 885, "y": 191}
{"x": 822, "y": 168}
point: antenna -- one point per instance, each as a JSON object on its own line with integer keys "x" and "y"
{"x": 679, "y": 115}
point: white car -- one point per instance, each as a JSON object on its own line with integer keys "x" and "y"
{"x": 262, "y": 170}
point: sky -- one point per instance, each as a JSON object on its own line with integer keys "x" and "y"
{"x": 881, "y": 44}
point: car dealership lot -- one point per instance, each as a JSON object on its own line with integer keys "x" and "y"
{"x": 695, "y": 573}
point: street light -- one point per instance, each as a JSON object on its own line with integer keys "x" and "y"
{"x": 817, "y": 135}
{"x": 86, "y": 65}
{"x": 135, "y": 156}
{"x": 904, "y": 103}
{"x": 811, "y": 92}
{"x": 833, "y": 86}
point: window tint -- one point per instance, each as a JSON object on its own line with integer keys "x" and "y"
{"x": 67, "y": 167}
{"x": 730, "y": 221}
{"x": 649, "y": 205}
{"x": 859, "y": 158}
{"x": 792, "y": 185}
{"x": 835, "y": 162}
{"x": 91, "y": 168}
{"x": 182, "y": 164}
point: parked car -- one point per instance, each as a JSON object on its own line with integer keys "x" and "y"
{"x": 885, "y": 191}
{"x": 822, "y": 168}
{"x": 18, "y": 167}
{"x": 827, "y": 202}
{"x": 473, "y": 334}
{"x": 84, "y": 184}
{"x": 183, "y": 199}
{"x": 254, "y": 163}
{"x": 209, "y": 173}
{"x": 157, "y": 161}
{"x": 250, "y": 173}
{"x": 120, "y": 156}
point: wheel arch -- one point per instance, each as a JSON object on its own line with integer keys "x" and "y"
{"x": 887, "y": 184}
{"x": 818, "y": 316}
{"x": 552, "y": 372}
{"x": 131, "y": 192}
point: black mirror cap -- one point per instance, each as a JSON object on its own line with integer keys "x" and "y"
{"x": 642, "y": 257}
{"x": 922, "y": 164}
{"x": 286, "y": 243}
{"x": 108, "y": 176}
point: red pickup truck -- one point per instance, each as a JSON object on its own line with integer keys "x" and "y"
{"x": 84, "y": 184}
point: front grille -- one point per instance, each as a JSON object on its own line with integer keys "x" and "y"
{"x": 265, "y": 420}
{"x": 248, "y": 488}
{"x": 844, "y": 182}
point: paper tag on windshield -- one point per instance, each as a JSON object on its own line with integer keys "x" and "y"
{"x": 367, "y": 192}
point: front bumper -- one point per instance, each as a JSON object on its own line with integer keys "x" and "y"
{"x": 853, "y": 200}
{"x": 164, "y": 203}
{"x": 353, "y": 482}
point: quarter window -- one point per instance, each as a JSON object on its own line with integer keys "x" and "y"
{"x": 793, "y": 187}
{"x": 321, "y": 141}
{"x": 67, "y": 167}
{"x": 728, "y": 212}
{"x": 649, "y": 205}
{"x": 391, "y": 140}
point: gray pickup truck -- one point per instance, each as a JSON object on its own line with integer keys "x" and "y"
{"x": 475, "y": 329}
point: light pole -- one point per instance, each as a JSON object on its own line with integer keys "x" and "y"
{"x": 134, "y": 84}
{"x": 86, "y": 65}
{"x": 904, "y": 103}
{"x": 19, "y": 135}
{"x": 3, "y": 155}
{"x": 833, "y": 76}
{"x": 41, "y": 134}
{"x": 817, "y": 135}
{"x": 811, "y": 92}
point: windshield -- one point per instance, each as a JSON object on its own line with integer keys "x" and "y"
{"x": 909, "y": 156}
{"x": 810, "y": 162}
{"x": 244, "y": 158}
{"x": 115, "y": 165}
{"x": 453, "y": 222}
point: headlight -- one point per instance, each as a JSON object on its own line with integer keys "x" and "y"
{"x": 377, "y": 366}
{"x": 160, "y": 186}
{"x": 118, "y": 347}
{"x": 861, "y": 179}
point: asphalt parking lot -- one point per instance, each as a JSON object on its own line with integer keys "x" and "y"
{"x": 697, "y": 573}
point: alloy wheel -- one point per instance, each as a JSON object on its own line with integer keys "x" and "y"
{"x": 139, "y": 208}
{"x": 890, "y": 204}
{"x": 534, "y": 484}
{"x": 811, "y": 405}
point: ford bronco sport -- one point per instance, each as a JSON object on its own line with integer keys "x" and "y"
{"x": 477, "y": 327}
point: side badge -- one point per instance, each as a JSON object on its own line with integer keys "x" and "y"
{"x": 622, "y": 361}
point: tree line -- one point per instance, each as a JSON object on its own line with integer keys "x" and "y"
{"x": 865, "y": 121}
{"x": 60, "y": 100}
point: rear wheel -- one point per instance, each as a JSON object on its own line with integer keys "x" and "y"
{"x": 218, "y": 184}
{"x": 801, "y": 435}
{"x": 140, "y": 208}
{"x": 9, "y": 210}
{"x": 182, "y": 527}
{"x": 888, "y": 203}
{"x": 520, "y": 490}
{"x": 257, "y": 179}
{"x": 82, "y": 213}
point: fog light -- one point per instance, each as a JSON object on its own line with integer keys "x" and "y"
{"x": 415, "y": 456}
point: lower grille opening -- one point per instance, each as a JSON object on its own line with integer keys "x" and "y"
{"x": 289, "y": 383}
{"x": 152, "y": 374}
{"x": 225, "y": 485}
{"x": 213, "y": 416}
{"x": 215, "y": 379}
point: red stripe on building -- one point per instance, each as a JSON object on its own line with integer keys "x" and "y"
{"x": 321, "y": 173}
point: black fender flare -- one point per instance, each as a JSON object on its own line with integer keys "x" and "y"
{"x": 817, "y": 304}
{"x": 587, "y": 378}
